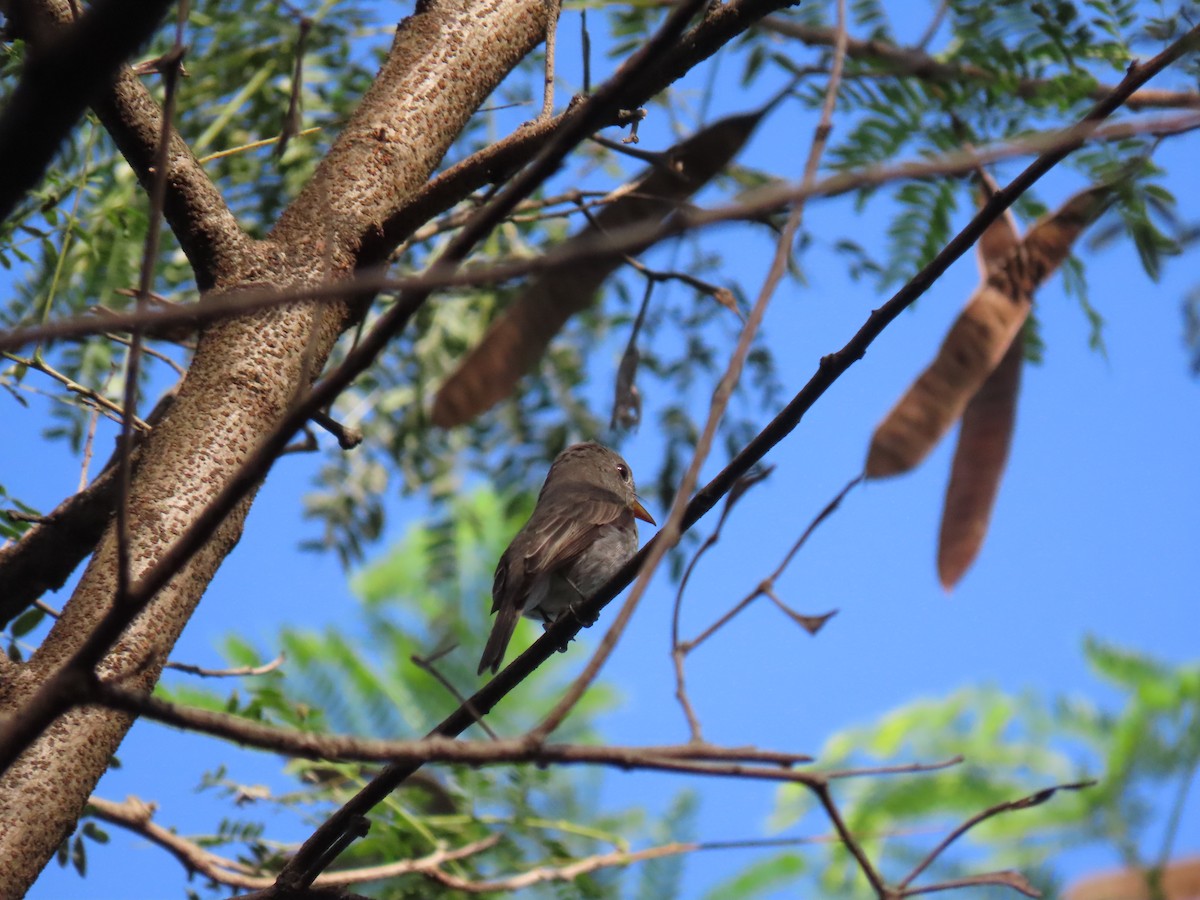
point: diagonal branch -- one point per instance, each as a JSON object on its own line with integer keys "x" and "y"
{"x": 195, "y": 210}
{"x": 61, "y": 72}
{"x": 137, "y": 816}
{"x": 721, "y": 23}
{"x": 830, "y": 369}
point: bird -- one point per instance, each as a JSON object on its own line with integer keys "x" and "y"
{"x": 580, "y": 533}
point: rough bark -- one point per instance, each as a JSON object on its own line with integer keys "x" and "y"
{"x": 245, "y": 373}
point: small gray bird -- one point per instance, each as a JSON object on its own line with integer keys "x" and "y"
{"x": 581, "y": 532}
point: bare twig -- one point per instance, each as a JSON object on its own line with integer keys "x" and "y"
{"x": 92, "y": 398}
{"x": 564, "y": 873}
{"x": 835, "y": 816}
{"x": 348, "y": 437}
{"x": 137, "y": 816}
{"x": 1035, "y": 799}
{"x": 430, "y": 665}
{"x": 149, "y": 351}
{"x": 236, "y": 672}
{"x": 678, "y": 653}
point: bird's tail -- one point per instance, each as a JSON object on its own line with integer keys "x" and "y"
{"x": 497, "y": 643}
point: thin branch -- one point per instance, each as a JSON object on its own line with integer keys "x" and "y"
{"x": 92, "y": 398}
{"x": 149, "y": 351}
{"x": 678, "y": 653}
{"x": 1008, "y": 879}
{"x": 236, "y": 672}
{"x": 137, "y": 816}
{"x": 914, "y": 61}
{"x": 860, "y": 855}
{"x": 430, "y": 665}
{"x": 348, "y": 437}
{"x": 766, "y": 586}
{"x": 931, "y": 29}
{"x": 564, "y": 873}
{"x": 1057, "y": 144}
{"x": 1035, "y": 799}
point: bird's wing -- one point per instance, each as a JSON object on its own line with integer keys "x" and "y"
{"x": 555, "y": 534}
{"x": 564, "y": 531}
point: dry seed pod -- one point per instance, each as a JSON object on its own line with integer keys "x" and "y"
{"x": 973, "y": 347}
{"x": 984, "y": 439}
{"x": 985, "y": 435}
{"x": 978, "y": 339}
{"x": 518, "y": 338}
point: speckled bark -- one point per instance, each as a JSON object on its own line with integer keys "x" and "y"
{"x": 444, "y": 62}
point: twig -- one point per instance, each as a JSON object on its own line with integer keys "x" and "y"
{"x": 150, "y": 351}
{"x": 228, "y": 673}
{"x": 739, "y": 488}
{"x": 429, "y": 665}
{"x": 1035, "y": 799}
{"x": 1009, "y": 879}
{"x": 835, "y": 816}
{"x": 931, "y": 29}
{"x": 564, "y": 873}
{"x": 766, "y": 587}
{"x": 253, "y": 145}
{"x": 553, "y": 9}
{"x": 89, "y": 396}
{"x": 136, "y": 816}
{"x": 585, "y": 42}
{"x": 347, "y": 437}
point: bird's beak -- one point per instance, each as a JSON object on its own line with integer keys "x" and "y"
{"x": 639, "y": 512}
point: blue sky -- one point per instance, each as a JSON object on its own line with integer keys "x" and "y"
{"x": 1094, "y": 533}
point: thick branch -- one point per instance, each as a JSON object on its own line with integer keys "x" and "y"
{"x": 722, "y": 23}
{"x": 195, "y": 210}
{"x": 61, "y": 73}
{"x": 443, "y": 64}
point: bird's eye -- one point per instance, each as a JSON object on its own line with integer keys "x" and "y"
{"x": 623, "y": 471}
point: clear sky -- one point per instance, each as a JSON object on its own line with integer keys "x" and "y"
{"x": 1095, "y": 533}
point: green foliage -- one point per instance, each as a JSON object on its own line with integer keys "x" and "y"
{"x": 1145, "y": 750}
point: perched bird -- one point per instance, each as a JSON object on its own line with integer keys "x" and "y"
{"x": 581, "y": 532}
